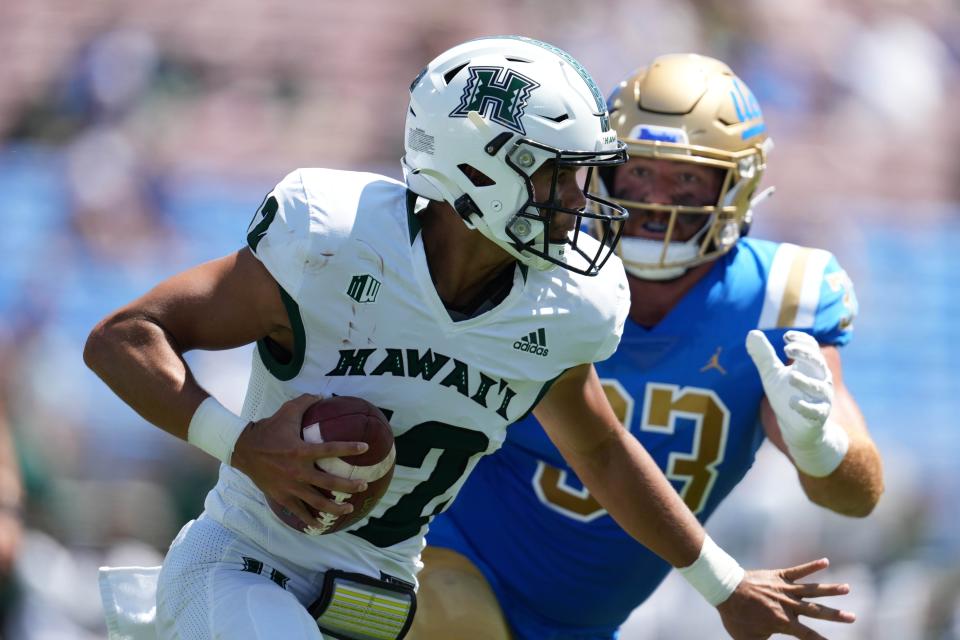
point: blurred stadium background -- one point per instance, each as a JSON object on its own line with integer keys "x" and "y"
{"x": 137, "y": 138}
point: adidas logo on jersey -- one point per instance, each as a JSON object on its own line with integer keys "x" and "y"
{"x": 535, "y": 343}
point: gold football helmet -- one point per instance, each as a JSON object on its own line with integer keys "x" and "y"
{"x": 690, "y": 108}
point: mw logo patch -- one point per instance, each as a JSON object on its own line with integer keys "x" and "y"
{"x": 364, "y": 288}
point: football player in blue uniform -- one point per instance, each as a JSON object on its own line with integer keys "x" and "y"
{"x": 527, "y": 552}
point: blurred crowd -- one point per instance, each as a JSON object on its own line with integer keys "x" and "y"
{"x": 137, "y": 139}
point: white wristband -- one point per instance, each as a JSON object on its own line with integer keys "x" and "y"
{"x": 215, "y": 429}
{"x": 823, "y": 457}
{"x": 715, "y": 574}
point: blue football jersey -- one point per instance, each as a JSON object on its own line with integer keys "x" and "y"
{"x": 687, "y": 389}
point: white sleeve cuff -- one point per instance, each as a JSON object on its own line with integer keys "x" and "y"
{"x": 215, "y": 429}
{"x": 715, "y": 574}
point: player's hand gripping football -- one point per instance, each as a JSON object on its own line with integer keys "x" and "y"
{"x": 769, "y": 601}
{"x": 272, "y": 454}
{"x": 801, "y": 394}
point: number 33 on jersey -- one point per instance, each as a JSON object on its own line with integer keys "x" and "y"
{"x": 664, "y": 406}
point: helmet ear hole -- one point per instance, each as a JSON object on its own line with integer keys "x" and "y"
{"x": 475, "y": 176}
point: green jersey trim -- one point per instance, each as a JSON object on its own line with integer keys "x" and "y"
{"x": 286, "y": 370}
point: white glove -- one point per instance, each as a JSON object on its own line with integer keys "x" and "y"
{"x": 801, "y": 395}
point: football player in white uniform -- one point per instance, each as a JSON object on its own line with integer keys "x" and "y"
{"x": 457, "y": 302}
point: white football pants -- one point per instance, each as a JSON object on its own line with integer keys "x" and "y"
{"x": 216, "y": 585}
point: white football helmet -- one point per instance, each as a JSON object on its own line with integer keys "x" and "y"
{"x": 690, "y": 108}
{"x": 484, "y": 116}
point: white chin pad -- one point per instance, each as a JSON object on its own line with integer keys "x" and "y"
{"x": 642, "y": 255}
{"x": 662, "y": 273}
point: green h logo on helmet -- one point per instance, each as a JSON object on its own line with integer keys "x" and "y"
{"x": 500, "y": 94}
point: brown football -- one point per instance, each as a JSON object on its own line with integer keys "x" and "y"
{"x": 348, "y": 419}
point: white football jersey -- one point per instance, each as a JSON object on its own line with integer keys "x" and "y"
{"x": 346, "y": 251}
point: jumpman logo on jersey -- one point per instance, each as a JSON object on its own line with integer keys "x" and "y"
{"x": 714, "y": 363}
